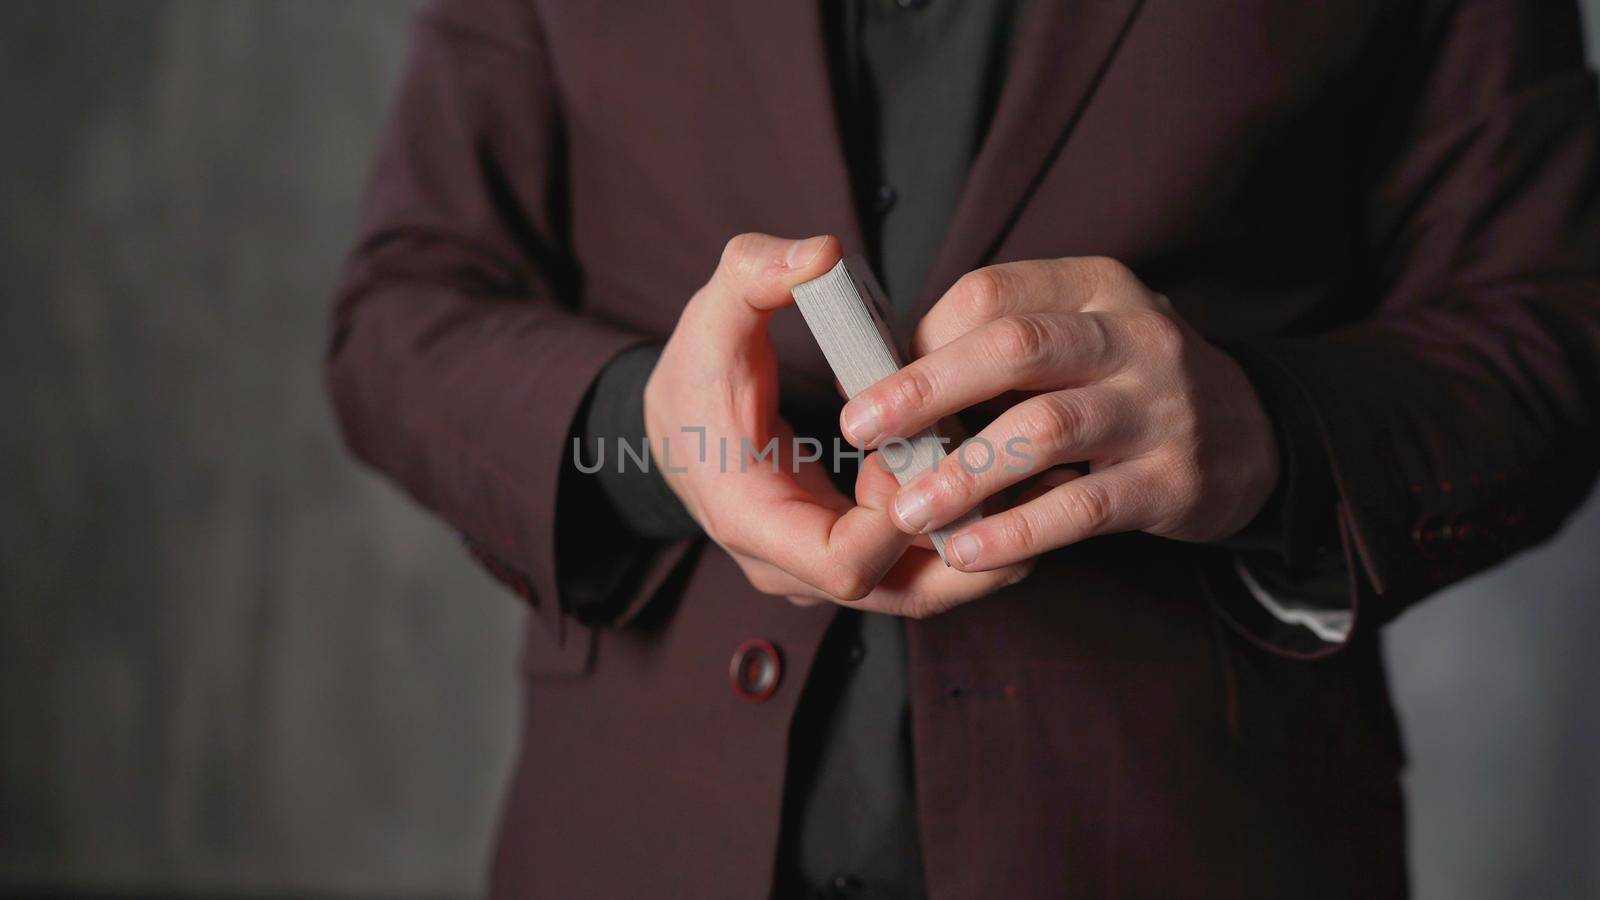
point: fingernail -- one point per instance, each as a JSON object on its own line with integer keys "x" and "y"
{"x": 803, "y": 252}
{"x": 911, "y": 506}
{"x": 861, "y": 421}
{"x": 966, "y": 547}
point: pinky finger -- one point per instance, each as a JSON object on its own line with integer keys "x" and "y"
{"x": 1105, "y": 502}
{"x": 1044, "y": 483}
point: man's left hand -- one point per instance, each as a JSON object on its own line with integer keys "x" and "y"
{"x": 1175, "y": 440}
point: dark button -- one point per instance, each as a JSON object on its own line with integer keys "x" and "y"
{"x": 1464, "y": 532}
{"x": 844, "y": 885}
{"x": 755, "y": 670}
{"x": 1430, "y": 536}
{"x": 884, "y": 200}
{"x": 858, "y": 652}
{"x": 911, "y": 4}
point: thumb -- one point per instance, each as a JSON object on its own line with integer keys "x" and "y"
{"x": 755, "y": 276}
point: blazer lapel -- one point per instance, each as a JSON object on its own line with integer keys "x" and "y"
{"x": 785, "y": 50}
{"x": 1063, "y": 50}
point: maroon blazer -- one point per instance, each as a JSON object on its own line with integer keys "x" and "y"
{"x": 1395, "y": 201}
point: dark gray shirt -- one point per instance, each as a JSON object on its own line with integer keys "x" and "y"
{"x": 916, "y": 82}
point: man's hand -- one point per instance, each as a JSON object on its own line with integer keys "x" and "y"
{"x": 1176, "y": 441}
{"x": 790, "y": 530}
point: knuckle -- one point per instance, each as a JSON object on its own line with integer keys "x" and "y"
{"x": 935, "y": 602}
{"x": 1053, "y": 420}
{"x": 1088, "y": 333}
{"x": 1017, "y": 574}
{"x": 1185, "y": 418}
{"x": 1186, "y": 476}
{"x": 982, "y": 293}
{"x": 1018, "y": 534}
{"x": 1020, "y": 340}
{"x": 733, "y": 543}
{"x": 912, "y": 390}
{"x": 1087, "y": 508}
{"x": 739, "y": 248}
{"x": 1105, "y": 271}
{"x": 1160, "y": 333}
{"x": 762, "y": 580}
{"x": 731, "y": 540}
{"x": 955, "y": 482}
{"x": 908, "y": 605}
{"x": 742, "y": 256}
{"x": 847, "y": 583}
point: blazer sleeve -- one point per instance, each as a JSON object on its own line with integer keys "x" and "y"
{"x": 1461, "y": 419}
{"x": 458, "y": 362}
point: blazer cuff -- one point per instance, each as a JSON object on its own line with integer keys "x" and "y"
{"x": 521, "y": 553}
{"x": 1286, "y": 581}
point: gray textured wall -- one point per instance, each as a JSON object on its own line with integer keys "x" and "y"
{"x": 228, "y": 657}
{"x": 231, "y": 660}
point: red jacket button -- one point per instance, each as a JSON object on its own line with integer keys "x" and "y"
{"x": 755, "y": 670}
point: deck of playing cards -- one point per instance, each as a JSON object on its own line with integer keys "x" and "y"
{"x": 847, "y": 314}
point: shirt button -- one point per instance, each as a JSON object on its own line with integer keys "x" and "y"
{"x": 844, "y": 885}
{"x": 911, "y": 4}
{"x": 884, "y": 199}
{"x": 755, "y": 670}
{"x": 858, "y": 652}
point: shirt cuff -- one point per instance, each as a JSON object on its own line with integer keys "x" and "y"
{"x": 613, "y": 434}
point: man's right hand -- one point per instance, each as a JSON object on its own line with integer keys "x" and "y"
{"x": 789, "y": 529}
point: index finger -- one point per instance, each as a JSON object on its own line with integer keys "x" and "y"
{"x": 1014, "y": 353}
{"x": 1010, "y": 289}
